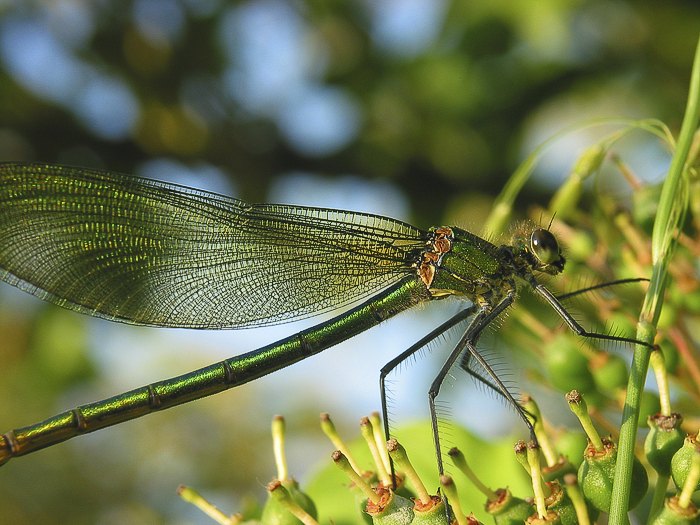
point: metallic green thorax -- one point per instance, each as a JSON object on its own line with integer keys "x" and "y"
{"x": 484, "y": 273}
{"x": 470, "y": 269}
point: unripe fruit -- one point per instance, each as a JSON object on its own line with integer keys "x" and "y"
{"x": 597, "y": 472}
{"x": 663, "y": 441}
{"x": 682, "y": 459}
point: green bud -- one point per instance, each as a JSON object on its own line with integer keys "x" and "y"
{"x": 681, "y": 461}
{"x": 663, "y": 441}
{"x": 579, "y": 407}
{"x": 597, "y": 472}
{"x": 432, "y": 513}
{"x": 398, "y": 454}
{"x": 450, "y": 491}
{"x": 566, "y": 199}
{"x": 506, "y": 509}
{"x": 557, "y": 471}
{"x": 282, "y": 509}
{"x": 552, "y": 518}
{"x": 275, "y": 510}
{"x": 585, "y": 512}
{"x": 589, "y": 161}
{"x": 391, "y": 509}
{"x": 559, "y": 502}
{"x": 190, "y": 495}
{"x": 674, "y": 514}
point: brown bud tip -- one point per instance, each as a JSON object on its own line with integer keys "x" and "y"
{"x": 666, "y": 423}
{"x": 533, "y": 445}
{"x": 471, "y": 520}
{"x": 571, "y": 479}
{"x": 573, "y": 397}
{"x": 274, "y": 485}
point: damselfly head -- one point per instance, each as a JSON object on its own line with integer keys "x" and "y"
{"x": 547, "y": 254}
{"x": 536, "y": 249}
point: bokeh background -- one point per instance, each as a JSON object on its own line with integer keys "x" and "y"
{"x": 416, "y": 109}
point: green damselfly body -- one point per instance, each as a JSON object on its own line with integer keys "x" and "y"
{"x": 151, "y": 253}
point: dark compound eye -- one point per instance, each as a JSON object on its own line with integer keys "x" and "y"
{"x": 544, "y": 246}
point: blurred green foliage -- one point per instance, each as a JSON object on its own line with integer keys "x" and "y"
{"x": 444, "y": 121}
{"x": 439, "y": 119}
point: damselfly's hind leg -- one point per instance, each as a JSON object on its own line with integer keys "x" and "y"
{"x": 391, "y": 365}
{"x": 468, "y": 344}
{"x": 466, "y": 364}
{"x": 555, "y": 303}
{"x": 424, "y": 341}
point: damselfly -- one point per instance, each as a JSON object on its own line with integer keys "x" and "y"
{"x": 151, "y": 253}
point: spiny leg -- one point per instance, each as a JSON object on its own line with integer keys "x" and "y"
{"x": 466, "y": 365}
{"x": 497, "y": 385}
{"x": 466, "y": 361}
{"x": 555, "y": 302}
{"x": 587, "y": 289}
{"x": 391, "y": 365}
{"x": 575, "y": 326}
{"x": 468, "y": 341}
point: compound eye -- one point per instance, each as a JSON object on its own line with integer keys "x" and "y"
{"x": 544, "y": 246}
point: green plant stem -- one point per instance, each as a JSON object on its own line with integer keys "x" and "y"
{"x": 668, "y": 218}
{"x": 368, "y": 435}
{"x": 282, "y": 496}
{"x": 659, "y": 368}
{"x": 577, "y": 404}
{"x": 278, "y": 433}
{"x": 190, "y": 495}
{"x": 691, "y": 482}
{"x": 400, "y": 457}
{"x": 533, "y": 460}
{"x": 577, "y": 500}
{"x": 380, "y": 439}
{"x": 448, "y": 486}
{"x": 657, "y": 503}
{"x": 343, "y": 463}
{"x": 461, "y": 463}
